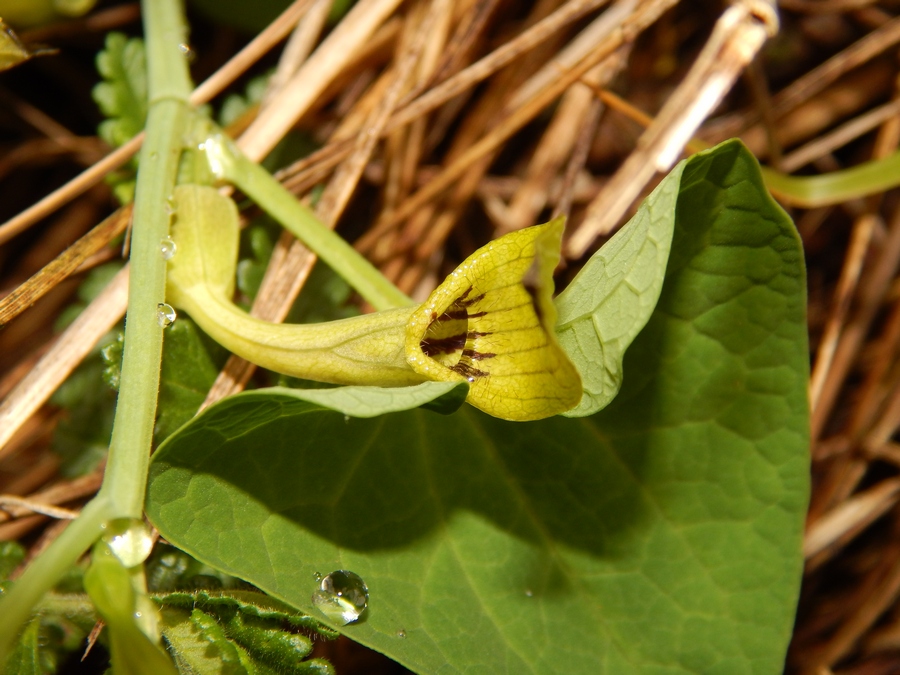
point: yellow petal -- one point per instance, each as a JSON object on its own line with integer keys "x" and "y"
{"x": 492, "y": 323}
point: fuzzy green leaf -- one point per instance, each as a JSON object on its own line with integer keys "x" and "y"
{"x": 660, "y": 535}
{"x": 26, "y": 658}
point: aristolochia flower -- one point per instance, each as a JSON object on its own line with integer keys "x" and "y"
{"x": 490, "y": 323}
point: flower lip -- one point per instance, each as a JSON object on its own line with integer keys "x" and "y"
{"x": 491, "y": 323}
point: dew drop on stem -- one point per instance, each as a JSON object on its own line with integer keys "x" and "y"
{"x": 165, "y": 315}
{"x": 167, "y": 248}
{"x": 129, "y": 540}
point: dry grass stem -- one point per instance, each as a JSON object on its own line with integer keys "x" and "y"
{"x": 736, "y": 39}
{"x": 61, "y": 359}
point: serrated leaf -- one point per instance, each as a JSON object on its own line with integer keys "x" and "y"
{"x": 25, "y": 659}
{"x": 612, "y": 297}
{"x": 122, "y": 95}
{"x": 198, "y": 643}
{"x": 250, "y": 603}
{"x": 662, "y": 534}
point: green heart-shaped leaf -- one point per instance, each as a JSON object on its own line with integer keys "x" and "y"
{"x": 660, "y": 535}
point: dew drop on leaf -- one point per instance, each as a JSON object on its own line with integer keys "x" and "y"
{"x": 342, "y": 596}
{"x": 165, "y": 315}
{"x": 401, "y": 633}
{"x": 129, "y": 540}
{"x": 167, "y": 248}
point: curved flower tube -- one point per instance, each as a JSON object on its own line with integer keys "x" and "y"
{"x": 490, "y": 323}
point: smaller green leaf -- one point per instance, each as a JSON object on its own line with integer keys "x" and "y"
{"x": 112, "y": 361}
{"x": 190, "y": 365}
{"x": 26, "y": 657}
{"x": 109, "y": 585}
{"x": 613, "y": 296}
{"x": 81, "y": 438}
{"x": 236, "y": 105}
{"x": 170, "y": 570}
{"x": 12, "y": 554}
{"x": 250, "y": 603}
{"x": 268, "y": 643}
{"x": 199, "y": 644}
{"x": 122, "y": 96}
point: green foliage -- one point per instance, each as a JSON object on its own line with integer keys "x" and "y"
{"x": 11, "y": 555}
{"x": 122, "y": 95}
{"x": 612, "y": 297}
{"x": 236, "y": 105}
{"x": 257, "y": 242}
{"x": 57, "y": 629}
{"x": 109, "y": 585}
{"x": 661, "y": 534}
{"x": 190, "y": 364}
{"x": 81, "y": 438}
{"x": 240, "y": 632}
{"x": 122, "y": 98}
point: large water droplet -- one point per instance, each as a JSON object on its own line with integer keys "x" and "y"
{"x": 129, "y": 540}
{"x": 165, "y": 315}
{"x": 167, "y": 248}
{"x": 342, "y": 596}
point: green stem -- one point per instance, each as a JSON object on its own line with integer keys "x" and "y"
{"x": 837, "y": 186}
{"x": 124, "y": 485}
{"x": 167, "y": 121}
{"x": 228, "y": 163}
{"x": 48, "y": 568}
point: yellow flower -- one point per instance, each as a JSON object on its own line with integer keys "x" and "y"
{"x": 490, "y": 323}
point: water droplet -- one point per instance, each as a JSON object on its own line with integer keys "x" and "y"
{"x": 169, "y": 205}
{"x": 342, "y": 596}
{"x": 167, "y": 248}
{"x": 346, "y": 419}
{"x": 470, "y": 378}
{"x": 401, "y": 633}
{"x": 138, "y": 615}
{"x": 129, "y": 540}
{"x": 529, "y": 593}
{"x": 165, "y": 315}
{"x": 188, "y": 52}
{"x": 317, "y": 576}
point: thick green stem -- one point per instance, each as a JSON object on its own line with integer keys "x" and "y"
{"x": 48, "y": 568}
{"x": 167, "y": 121}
